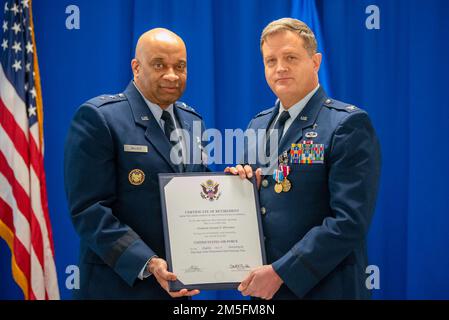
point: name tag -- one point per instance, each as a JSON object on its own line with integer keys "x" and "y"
{"x": 135, "y": 148}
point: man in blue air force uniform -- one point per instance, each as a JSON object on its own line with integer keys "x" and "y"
{"x": 318, "y": 202}
{"x": 115, "y": 148}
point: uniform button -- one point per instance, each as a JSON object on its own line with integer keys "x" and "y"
{"x": 263, "y": 210}
{"x": 328, "y": 101}
{"x": 264, "y": 183}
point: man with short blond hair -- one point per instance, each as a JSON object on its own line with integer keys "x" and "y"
{"x": 318, "y": 201}
{"x": 295, "y": 26}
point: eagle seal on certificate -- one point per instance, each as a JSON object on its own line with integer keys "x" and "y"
{"x": 210, "y": 190}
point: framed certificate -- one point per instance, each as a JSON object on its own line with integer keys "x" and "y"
{"x": 212, "y": 229}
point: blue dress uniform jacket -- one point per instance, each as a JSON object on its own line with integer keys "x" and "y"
{"x": 119, "y": 222}
{"x": 315, "y": 233}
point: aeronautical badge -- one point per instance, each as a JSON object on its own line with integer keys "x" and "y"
{"x": 136, "y": 177}
{"x": 311, "y": 134}
{"x": 210, "y": 190}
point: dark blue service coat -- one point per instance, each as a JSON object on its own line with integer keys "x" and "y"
{"x": 316, "y": 232}
{"x": 114, "y": 150}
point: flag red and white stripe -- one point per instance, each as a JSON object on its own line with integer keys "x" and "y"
{"x": 24, "y": 217}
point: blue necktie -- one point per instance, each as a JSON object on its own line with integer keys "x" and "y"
{"x": 279, "y": 126}
{"x": 169, "y": 127}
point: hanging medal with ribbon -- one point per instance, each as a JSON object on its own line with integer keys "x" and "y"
{"x": 286, "y": 184}
{"x": 285, "y": 168}
{"x": 278, "y": 176}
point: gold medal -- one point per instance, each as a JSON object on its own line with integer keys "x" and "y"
{"x": 278, "y": 187}
{"x": 286, "y": 185}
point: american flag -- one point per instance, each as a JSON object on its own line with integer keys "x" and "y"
{"x": 24, "y": 219}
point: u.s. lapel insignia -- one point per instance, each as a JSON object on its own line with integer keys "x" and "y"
{"x": 136, "y": 177}
{"x": 303, "y": 118}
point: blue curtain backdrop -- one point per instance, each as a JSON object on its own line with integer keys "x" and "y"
{"x": 397, "y": 73}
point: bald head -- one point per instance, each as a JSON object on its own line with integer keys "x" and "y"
{"x": 160, "y": 66}
{"x": 158, "y": 37}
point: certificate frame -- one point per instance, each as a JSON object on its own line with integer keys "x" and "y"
{"x": 164, "y": 179}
